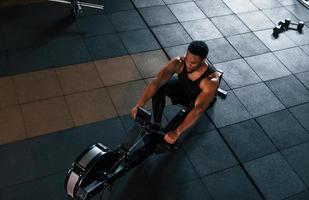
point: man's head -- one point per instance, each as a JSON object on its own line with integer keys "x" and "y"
{"x": 195, "y": 56}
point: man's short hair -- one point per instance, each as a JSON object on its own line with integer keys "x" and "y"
{"x": 199, "y": 48}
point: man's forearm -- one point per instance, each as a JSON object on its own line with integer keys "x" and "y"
{"x": 148, "y": 93}
{"x": 189, "y": 120}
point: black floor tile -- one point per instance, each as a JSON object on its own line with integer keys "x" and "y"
{"x": 302, "y": 114}
{"x": 300, "y": 196}
{"x": 183, "y": 191}
{"x": 248, "y": 140}
{"x": 256, "y": 20}
{"x": 28, "y": 60}
{"x": 267, "y": 66}
{"x": 230, "y": 25}
{"x": 289, "y": 90}
{"x": 208, "y": 153}
{"x": 213, "y": 8}
{"x": 278, "y": 14}
{"x": 177, "y": 51}
{"x": 111, "y": 6}
{"x": 223, "y": 85}
{"x": 171, "y": 35}
{"x": 232, "y": 184}
{"x": 108, "y": 132}
{"x": 283, "y": 129}
{"x": 48, "y": 188}
{"x": 282, "y": 42}
{"x": 300, "y": 11}
{"x": 51, "y": 153}
{"x": 16, "y": 163}
{"x": 294, "y": 59}
{"x": 237, "y": 73}
{"x": 216, "y": 49}
{"x": 202, "y": 29}
{"x": 139, "y": 41}
{"x": 248, "y": 44}
{"x": 68, "y": 52}
{"x": 186, "y": 11}
{"x": 228, "y": 111}
{"x": 239, "y": 6}
{"x": 264, "y": 4}
{"x": 274, "y": 177}
{"x": 105, "y": 46}
{"x": 258, "y": 99}
{"x": 146, "y": 3}
{"x": 304, "y": 78}
{"x": 95, "y": 25}
{"x": 158, "y": 15}
{"x": 5, "y": 67}
{"x": 127, "y": 20}
{"x": 297, "y": 157}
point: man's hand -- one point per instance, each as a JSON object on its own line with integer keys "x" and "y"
{"x": 134, "y": 111}
{"x": 171, "y": 137}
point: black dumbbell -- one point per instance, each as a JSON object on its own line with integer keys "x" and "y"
{"x": 278, "y": 29}
{"x": 299, "y": 26}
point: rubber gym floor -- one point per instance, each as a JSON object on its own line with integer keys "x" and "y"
{"x": 66, "y": 84}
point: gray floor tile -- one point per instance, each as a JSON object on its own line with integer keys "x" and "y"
{"x": 127, "y": 20}
{"x": 230, "y": 25}
{"x": 299, "y": 38}
{"x": 248, "y": 44}
{"x": 17, "y": 164}
{"x": 158, "y": 15}
{"x": 177, "y": 51}
{"x": 297, "y": 157}
{"x": 223, "y": 85}
{"x": 68, "y": 52}
{"x": 282, "y": 42}
{"x": 294, "y": 59}
{"x": 256, "y": 20}
{"x": 264, "y": 4}
{"x": 237, "y": 73}
{"x": 299, "y": 11}
{"x": 228, "y": 111}
{"x": 258, "y": 99}
{"x": 239, "y": 6}
{"x": 248, "y": 140}
{"x": 208, "y": 153}
{"x": 232, "y": 184}
{"x": 183, "y": 191}
{"x": 274, "y": 177}
{"x": 146, "y": 3}
{"x": 213, "y": 8}
{"x": 37, "y": 189}
{"x": 267, "y": 66}
{"x": 99, "y": 47}
{"x": 186, "y": 11}
{"x": 283, "y": 129}
{"x": 278, "y": 14}
{"x": 5, "y": 68}
{"x": 302, "y": 114}
{"x": 34, "y": 59}
{"x": 300, "y": 196}
{"x": 288, "y": 2}
{"x": 171, "y": 35}
{"x": 289, "y": 90}
{"x": 139, "y": 41}
{"x": 202, "y": 29}
{"x": 95, "y": 25}
{"x": 305, "y": 48}
{"x": 304, "y": 78}
{"x": 217, "y": 46}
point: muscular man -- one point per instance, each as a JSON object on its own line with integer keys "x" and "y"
{"x": 194, "y": 87}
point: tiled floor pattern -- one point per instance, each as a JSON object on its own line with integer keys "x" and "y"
{"x": 252, "y": 145}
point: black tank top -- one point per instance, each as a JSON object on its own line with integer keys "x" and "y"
{"x": 191, "y": 88}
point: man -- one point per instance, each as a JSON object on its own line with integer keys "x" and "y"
{"x": 194, "y": 88}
